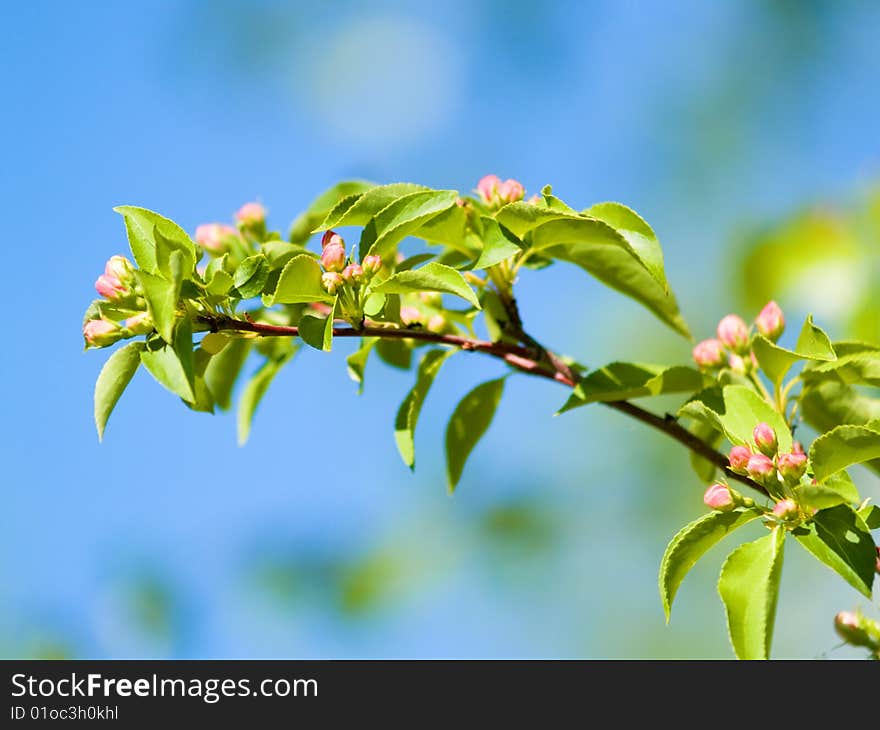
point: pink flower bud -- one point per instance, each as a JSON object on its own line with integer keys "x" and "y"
{"x": 410, "y": 315}
{"x": 353, "y": 274}
{"x": 770, "y": 321}
{"x": 718, "y": 496}
{"x": 765, "y": 439}
{"x": 109, "y": 287}
{"x": 734, "y": 334}
{"x": 510, "y": 191}
{"x": 251, "y": 215}
{"x": 331, "y": 237}
{"x": 535, "y": 200}
{"x": 371, "y": 265}
{"x": 760, "y": 468}
{"x": 792, "y": 466}
{"x": 333, "y": 257}
{"x": 101, "y": 332}
{"x": 215, "y": 238}
{"x": 737, "y": 364}
{"x": 785, "y": 509}
{"x": 139, "y": 324}
{"x": 437, "y": 323}
{"x": 849, "y": 627}
{"x": 739, "y": 459}
{"x": 488, "y": 188}
{"x": 331, "y": 281}
{"x": 121, "y": 268}
{"x": 797, "y": 447}
{"x": 707, "y": 354}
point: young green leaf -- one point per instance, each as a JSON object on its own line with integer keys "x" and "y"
{"x": 165, "y": 366}
{"x": 836, "y": 489}
{"x": 302, "y": 227}
{"x": 840, "y": 538}
{"x": 317, "y": 331}
{"x": 405, "y": 216}
{"x": 776, "y": 361}
{"x": 165, "y": 249}
{"x": 841, "y": 447}
{"x": 496, "y": 245}
{"x": 858, "y": 368}
{"x": 638, "y": 234}
{"x": 521, "y": 218}
{"x": 395, "y": 353}
{"x": 430, "y": 277}
{"x": 255, "y": 390}
{"x": 749, "y": 588}
{"x": 470, "y": 420}
{"x": 605, "y": 254}
{"x": 162, "y": 296}
{"x": 140, "y": 225}
{"x": 357, "y": 362}
{"x": 870, "y": 514}
{"x": 408, "y": 413}
{"x": 113, "y": 380}
{"x": 708, "y": 434}
{"x": 691, "y": 543}
{"x": 224, "y": 368}
{"x": 624, "y": 380}
{"x": 358, "y": 209}
{"x": 300, "y": 282}
{"x": 744, "y": 409}
{"x": 251, "y": 276}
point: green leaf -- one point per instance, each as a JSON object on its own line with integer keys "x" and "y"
{"x": 113, "y": 380}
{"x": 140, "y": 225}
{"x": 744, "y": 409}
{"x": 841, "y": 447}
{"x": 220, "y": 284}
{"x": 496, "y": 246}
{"x": 162, "y": 296}
{"x": 691, "y": 543}
{"x": 470, "y": 420}
{"x": 300, "y": 282}
{"x": 408, "y": 413}
{"x": 395, "y": 353}
{"x": 251, "y": 276}
{"x": 703, "y": 468}
{"x": 449, "y": 228}
{"x": 521, "y": 218}
{"x": 837, "y": 489}
{"x": 357, "y": 362}
{"x": 638, "y": 234}
{"x": 605, "y": 254}
{"x": 839, "y": 538}
{"x": 358, "y": 209}
{"x": 317, "y": 331}
{"x": 624, "y": 380}
{"x": 165, "y": 366}
{"x": 255, "y": 390}
{"x": 224, "y": 368}
{"x": 166, "y": 248}
{"x": 406, "y": 215}
{"x": 858, "y": 368}
{"x": 776, "y": 361}
{"x": 430, "y": 277}
{"x": 302, "y": 227}
{"x": 749, "y": 588}
{"x": 870, "y": 514}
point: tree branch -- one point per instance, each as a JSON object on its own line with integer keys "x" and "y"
{"x": 522, "y": 358}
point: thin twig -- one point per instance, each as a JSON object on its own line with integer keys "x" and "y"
{"x": 522, "y": 358}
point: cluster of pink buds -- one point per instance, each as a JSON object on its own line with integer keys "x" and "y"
{"x": 494, "y": 192}
{"x": 337, "y": 271}
{"x": 216, "y": 238}
{"x": 118, "y": 282}
{"x": 765, "y": 462}
{"x": 733, "y": 344}
{"x": 118, "y": 285}
{"x": 251, "y": 215}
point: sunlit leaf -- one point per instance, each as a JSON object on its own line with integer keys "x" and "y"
{"x": 113, "y": 380}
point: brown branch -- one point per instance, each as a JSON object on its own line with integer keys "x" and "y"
{"x": 522, "y": 358}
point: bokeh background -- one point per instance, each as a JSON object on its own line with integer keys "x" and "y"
{"x": 740, "y": 130}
